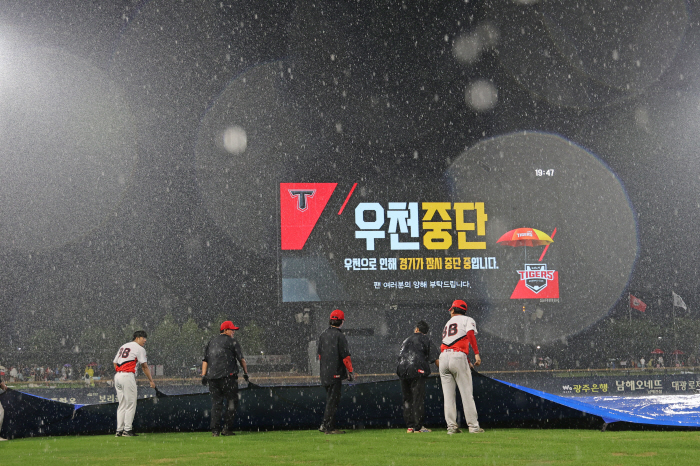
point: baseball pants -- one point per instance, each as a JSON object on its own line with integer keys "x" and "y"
{"x": 224, "y": 394}
{"x": 455, "y": 373}
{"x": 125, "y": 383}
{"x": 332, "y": 402}
{"x": 413, "y": 391}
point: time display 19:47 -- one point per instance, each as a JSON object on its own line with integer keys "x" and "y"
{"x": 547, "y": 172}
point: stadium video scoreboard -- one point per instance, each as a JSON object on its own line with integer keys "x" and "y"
{"x": 352, "y": 242}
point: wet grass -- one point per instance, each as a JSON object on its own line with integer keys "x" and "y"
{"x": 365, "y": 447}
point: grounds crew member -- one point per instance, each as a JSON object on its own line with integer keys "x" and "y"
{"x": 220, "y": 370}
{"x": 3, "y": 387}
{"x": 125, "y": 362}
{"x": 459, "y": 333}
{"x": 334, "y": 355}
{"x": 417, "y": 352}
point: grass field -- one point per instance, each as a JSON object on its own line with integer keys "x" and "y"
{"x": 365, "y": 447}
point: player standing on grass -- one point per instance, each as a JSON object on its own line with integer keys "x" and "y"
{"x": 455, "y": 369}
{"x": 3, "y": 387}
{"x": 125, "y": 362}
{"x": 334, "y": 355}
{"x": 220, "y": 370}
{"x": 413, "y": 367}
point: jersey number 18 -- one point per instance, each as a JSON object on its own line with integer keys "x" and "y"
{"x": 449, "y": 330}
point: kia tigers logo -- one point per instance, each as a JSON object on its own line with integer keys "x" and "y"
{"x": 302, "y": 195}
{"x": 536, "y": 281}
{"x": 301, "y": 205}
{"x": 536, "y": 276}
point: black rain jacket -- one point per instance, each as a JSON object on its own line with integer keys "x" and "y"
{"x": 417, "y": 352}
{"x": 222, "y": 355}
{"x": 332, "y": 349}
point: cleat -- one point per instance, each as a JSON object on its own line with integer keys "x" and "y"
{"x": 214, "y": 434}
{"x": 129, "y": 433}
{"x": 424, "y": 430}
{"x": 409, "y": 430}
{"x": 119, "y": 433}
{"x": 455, "y": 430}
{"x": 478, "y": 430}
{"x": 226, "y": 433}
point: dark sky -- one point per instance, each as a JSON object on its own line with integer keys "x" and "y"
{"x": 121, "y": 198}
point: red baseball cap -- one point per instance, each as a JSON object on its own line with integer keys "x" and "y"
{"x": 337, "y": 315}
{"x": 228, "y": 325}
{"x": 459, "y": 304}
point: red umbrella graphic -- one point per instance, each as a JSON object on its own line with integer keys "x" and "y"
{"x": 525, "y": 237}
{"x": 657, "y": 351}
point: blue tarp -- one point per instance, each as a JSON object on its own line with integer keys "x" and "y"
{"x": 372, "y": 404}
{"x": 659, "y": 410}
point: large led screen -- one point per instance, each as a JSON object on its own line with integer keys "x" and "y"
{"x": 523, "y": 224}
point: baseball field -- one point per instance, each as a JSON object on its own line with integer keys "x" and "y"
{"x": 365, "y": 447}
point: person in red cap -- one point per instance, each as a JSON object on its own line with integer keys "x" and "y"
{"x": 459, "y": 333}
{"x": 334, "y": 356}
{"x": 220, "y": 370}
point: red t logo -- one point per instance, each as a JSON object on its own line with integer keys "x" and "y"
{"x": 301, "y": 205}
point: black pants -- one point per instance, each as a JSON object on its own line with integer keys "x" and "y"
{"x": 413, "y": 391}
{"x": 332, "y": 401}
{"x": 224, "y": 401}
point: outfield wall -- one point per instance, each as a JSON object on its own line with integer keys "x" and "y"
{"x": 563, "y": 383}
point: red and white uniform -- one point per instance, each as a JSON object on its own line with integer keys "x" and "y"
{"x": 459, "y": 333}
{"x": 128, "y": 358}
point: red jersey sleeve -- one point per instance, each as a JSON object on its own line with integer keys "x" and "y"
{"x": 472, "y": 341}
{"x": 348, "y": 363}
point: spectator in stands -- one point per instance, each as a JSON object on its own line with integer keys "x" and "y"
{"x": 89, "y": 376}
{"x": 13, "y": 374}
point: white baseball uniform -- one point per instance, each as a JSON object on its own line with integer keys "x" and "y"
{"x": 128, "y": 358}
{"x": 455, "y": 371}
{"x": 2, "y": 417}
